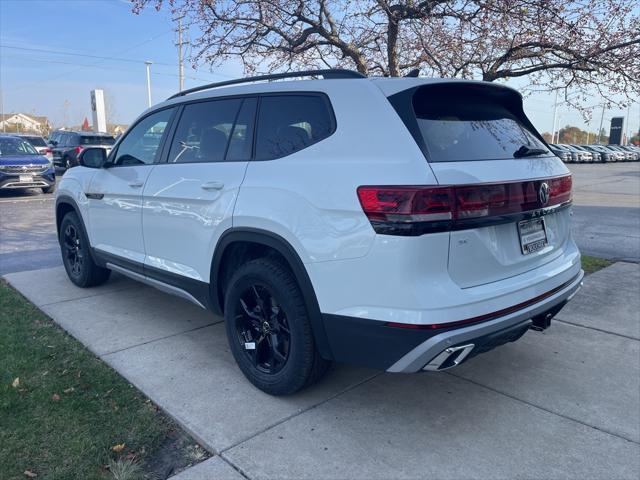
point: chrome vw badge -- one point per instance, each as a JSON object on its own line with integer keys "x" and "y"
{"x": 543, "y": 193}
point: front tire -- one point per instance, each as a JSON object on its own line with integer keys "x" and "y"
{"x": 76, "y": 254}
{"x": 268, "y": 329}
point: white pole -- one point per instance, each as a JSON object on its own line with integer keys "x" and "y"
{"x": 180, "y": 61}
{"x": 555, "y": 112}
{"x": 628, "y": 122}
{"x": 600, "y": 129}
{"x": 148, "y": 64}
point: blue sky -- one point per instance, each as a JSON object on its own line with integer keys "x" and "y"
{"x": 58, "y": 85}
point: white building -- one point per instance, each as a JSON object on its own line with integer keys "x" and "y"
{"x": 21, "y": 122}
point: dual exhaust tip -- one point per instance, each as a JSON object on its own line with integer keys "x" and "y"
{"x": 453, "y": 356}
{"x": 449, "y": 358}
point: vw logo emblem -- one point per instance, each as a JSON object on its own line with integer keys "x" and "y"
{"x": 543, "y": 193}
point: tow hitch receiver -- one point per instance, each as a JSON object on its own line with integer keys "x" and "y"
{"x": 543, "y": 321}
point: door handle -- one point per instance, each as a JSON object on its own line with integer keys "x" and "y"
{"x": 135, "y": 184}
{"x": 212, "y": 186}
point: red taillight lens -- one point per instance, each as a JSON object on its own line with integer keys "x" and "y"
{"x": 78, "y": 150}
{"x": 406, "y": 204}
{"x": 397, "y": 209}
{"x": 47, "y": 151}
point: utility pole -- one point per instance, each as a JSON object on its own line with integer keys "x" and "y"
{"x": 180, "y": 59}
{"x": 148, "y": 65}
{"x": 555, "y": 112}
{"x": 600, "y": 129}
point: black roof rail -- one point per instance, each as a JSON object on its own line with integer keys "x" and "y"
{"x": 327, "y": 74}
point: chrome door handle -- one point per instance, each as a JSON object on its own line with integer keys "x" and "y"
{"x": 135, "y": 184}
{"x": 212, "y": 186}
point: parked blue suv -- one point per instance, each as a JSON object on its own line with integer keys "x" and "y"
{"x": 21, "y": 166}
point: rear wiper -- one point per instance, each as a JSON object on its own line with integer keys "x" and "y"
{"x": 525, "y": 151}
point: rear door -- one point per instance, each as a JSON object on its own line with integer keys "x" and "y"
{"x": 478, "y": 135}
{"x": 189, "y": 199}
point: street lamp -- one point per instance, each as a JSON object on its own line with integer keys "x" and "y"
{"x": 148, "y": 65}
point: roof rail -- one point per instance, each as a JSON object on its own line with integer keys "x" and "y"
{"x": 329, "y": 73}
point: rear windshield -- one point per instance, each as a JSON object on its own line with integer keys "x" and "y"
{"x": 36, "y": 141}
{"x": 461, "y": 124}
{"x": 95, "y": 140}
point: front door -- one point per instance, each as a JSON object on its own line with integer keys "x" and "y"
{"x": 189, "y": 199}
{"x": 115, "y": 192}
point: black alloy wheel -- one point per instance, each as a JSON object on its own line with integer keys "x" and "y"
{"x": 76, "y": 254}
{"x": 262, "y": 329}
{"x": 269, "y": 330}
{"x": 73, "y": 250}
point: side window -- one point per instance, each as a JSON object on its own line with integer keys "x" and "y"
{"x": 289, "y": 123}
{"x": 203, "y": 131}
{"x": 141, "y": 145}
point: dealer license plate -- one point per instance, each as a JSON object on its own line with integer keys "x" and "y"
{"x": 26, "y": 178}
{"x": 533, "y": 235}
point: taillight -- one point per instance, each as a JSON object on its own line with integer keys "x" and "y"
{"x": 78, "y": 150}
{"x": 48, "y": 151}
{"x": 413, "y": 210}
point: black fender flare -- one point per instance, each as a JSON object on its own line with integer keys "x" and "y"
{"x": 69, "y": 200}
{"x": 284, "y": 248}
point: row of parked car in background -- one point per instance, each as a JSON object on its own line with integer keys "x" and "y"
{"x": 30, "y": 161}
{"x": 595, "y": 153}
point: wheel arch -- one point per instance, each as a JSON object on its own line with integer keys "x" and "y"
{"x": 64, "y": 205}
{"x": 264, "y": 239}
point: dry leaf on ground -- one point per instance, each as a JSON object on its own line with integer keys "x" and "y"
{"x": 16, "y": 382}
{"x": 118, "y": 448}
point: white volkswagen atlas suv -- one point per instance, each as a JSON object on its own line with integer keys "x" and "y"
{"x": 406, "y": 224}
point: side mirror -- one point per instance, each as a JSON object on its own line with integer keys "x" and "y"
{"x": 95, "y": 157}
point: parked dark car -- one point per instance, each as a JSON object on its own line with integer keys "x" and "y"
{"x": 21, "y": 166}
{"x": 67, "y": 145}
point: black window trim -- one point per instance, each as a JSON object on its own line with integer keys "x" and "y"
{"x": 164, "y": 160}
{"x": 114, "y": 150}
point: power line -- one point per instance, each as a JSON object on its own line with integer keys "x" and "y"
{"x": 100, "y": 57}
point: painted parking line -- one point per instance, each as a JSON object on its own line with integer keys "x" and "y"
{"x": 22, "y": 200}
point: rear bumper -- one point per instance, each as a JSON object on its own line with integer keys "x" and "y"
{"x": 375, "y": 344}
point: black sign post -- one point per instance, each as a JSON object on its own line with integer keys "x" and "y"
{"x": 615, "y": 132}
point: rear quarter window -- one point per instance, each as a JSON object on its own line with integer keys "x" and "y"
{"x": 463, "y": 124}
{"x": 290, "y": 123}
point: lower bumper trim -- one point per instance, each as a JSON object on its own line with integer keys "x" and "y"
{"x": 519, "y": 321}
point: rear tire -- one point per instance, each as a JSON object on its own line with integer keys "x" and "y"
{"x": 269, "y": 330}
{"x": 76, "y": 254}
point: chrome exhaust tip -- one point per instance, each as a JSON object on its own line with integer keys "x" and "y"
{"x": 449, "y": 358}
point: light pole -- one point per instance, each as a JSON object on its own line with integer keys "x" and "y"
{"x": 148, "y": 65}
{"x": 555, "y": 111}
{"x": 600, "y": 129}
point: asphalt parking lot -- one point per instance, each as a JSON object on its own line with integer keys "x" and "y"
{"x": 559, "y": 404}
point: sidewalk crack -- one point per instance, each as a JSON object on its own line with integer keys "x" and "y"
{"x": 635, "y": 339}
{"x": 533, "y": 405}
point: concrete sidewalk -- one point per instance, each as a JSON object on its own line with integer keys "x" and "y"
{"x": 562, "y": 404}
